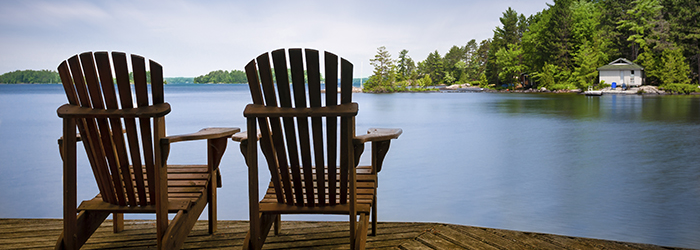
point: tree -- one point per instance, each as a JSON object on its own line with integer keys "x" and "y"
{"x": 587, "y": 59}
{"x": 557, "y": 34}
{"x": 647, "y": 27}
{"x": 406, "y": 66}
{"x": 589, "y": 46}
{"x": 674, "y": 69}
{"x": 222, "y": 76}
{"x": 684, "y": 21}
{"x": 612, "y": 13}
{"x": 384, "y": 74}
{"x": 471, "y": 65}
{"x": 511, "y": 63}
{"x": 510, "y": 32}
{"x": 454, "y": 56}
{"x": 433, "y": 66}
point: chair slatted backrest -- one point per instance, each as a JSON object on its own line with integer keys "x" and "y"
{"x": 298, "y": 149}
{"x": 117, "y": 162}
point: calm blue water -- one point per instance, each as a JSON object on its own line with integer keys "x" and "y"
{"x": 612, "y": 167}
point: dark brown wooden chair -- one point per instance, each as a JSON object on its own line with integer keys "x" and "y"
{"x": 127, "y": 149}
{"x": 310, "y": 148}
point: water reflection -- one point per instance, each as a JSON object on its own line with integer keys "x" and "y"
{"x": 620, "y": 108}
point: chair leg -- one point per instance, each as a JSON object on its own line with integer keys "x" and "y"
{"x": 361, "y": 236}
{"x": 87, "y": 223}
{"x": 266, "y": 221}
{"x": 278, "y": 224}
{"x": 118, "y": 222}
{"x": 374, "y": 216}
{"x": 178, "y": 229}
{"x": 211, "y": 197}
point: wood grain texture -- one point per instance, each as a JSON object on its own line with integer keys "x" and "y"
{"x": 140, "y": 234}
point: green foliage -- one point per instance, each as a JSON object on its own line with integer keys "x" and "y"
{"x": 587, "y": 60}
{"x": 384, "y": 75}
{"x": 433, "y": 66}
{"x": 510, "y": 60}
{"x": 638, "y": 23}
{"x": 30, "y": 76}
{"x": 222, "y": 76}
{"x": 553, "y": 77}
{"x": 179, "y": 80}
{"x": 674, "y": 69}
{"x": 680, "y": 88}
{"x": 563, "y": 45}
{"x": 505, "y": 61}
{"x": 406, "y": 67}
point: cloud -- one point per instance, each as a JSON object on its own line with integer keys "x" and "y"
{"x": 191, "y": 38}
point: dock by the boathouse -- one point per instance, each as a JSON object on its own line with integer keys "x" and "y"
{"x": 140, "y": 234}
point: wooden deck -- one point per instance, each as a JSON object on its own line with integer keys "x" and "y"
{"x": 140, "y": 234}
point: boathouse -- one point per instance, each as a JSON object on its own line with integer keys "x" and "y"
{"x": 621, "y": 71}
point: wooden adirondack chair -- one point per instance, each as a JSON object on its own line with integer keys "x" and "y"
{"x": 131, "y": 171}
{"x": 306, "y": 179}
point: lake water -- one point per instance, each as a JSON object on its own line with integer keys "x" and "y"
{"x": 613, "y": 167}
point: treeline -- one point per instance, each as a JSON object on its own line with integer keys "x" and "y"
{"x": 222, "y": 76}
{"x": 30, "y": 76}
{"x": 562, "y": 47}
{"x": 179, "y": 80}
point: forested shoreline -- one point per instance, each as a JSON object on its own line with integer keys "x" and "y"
{"x": 561, "y": 48}
{"x": 30, "y": 76}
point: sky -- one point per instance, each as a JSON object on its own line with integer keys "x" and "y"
{"x": 192, "y": 38}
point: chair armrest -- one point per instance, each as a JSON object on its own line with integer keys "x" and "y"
{"x": 378, "y": 134}
{"x": 207, "y": 133}
{"x": 243, "y": 136}
{"x": 381, "y": 139}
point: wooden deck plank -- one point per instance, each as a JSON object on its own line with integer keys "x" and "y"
{"x": 139, "y": 234}
{"x": 463, "y": 240}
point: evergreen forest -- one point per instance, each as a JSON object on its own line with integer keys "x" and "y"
{"x": 561, "y": 48}
{"x": 222, "y": 76}
{"x": 30, "y": 76}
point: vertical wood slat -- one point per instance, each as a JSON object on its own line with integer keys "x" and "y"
{"x": 103, "y": 127}
{"x": 110, "y": 98}
{"x": 268, "y": 86}
{"x": 313, "y": 74}
{"x": 345, "y": 128}
{"x": 141, "y": 89}
{"x": 346, "y": 139}
{"x": 121, "y": 71}
{"x": 296, "y": 62}
{"x": 280, "y": 63}
{"x": 156, "y": 82}
{"x": 106, "y": 135}
{"x": 251, "y": 70}
{"x": 331, "y": 66}
{"x": 89, "y": 136}
{"x": 68, "y": 150}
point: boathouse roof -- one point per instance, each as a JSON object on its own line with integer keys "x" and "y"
{"x": 621, "y": 64}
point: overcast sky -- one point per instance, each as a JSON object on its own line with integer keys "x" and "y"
{"x": 191, "y": 38}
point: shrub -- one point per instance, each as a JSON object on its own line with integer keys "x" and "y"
{"x": 680, "y": 88}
